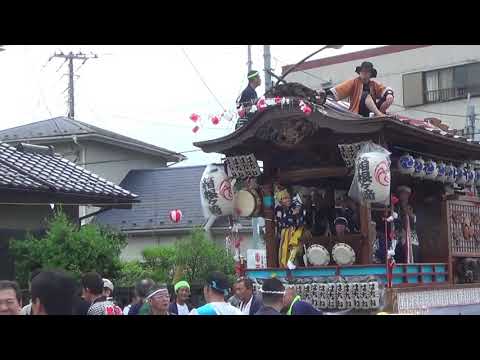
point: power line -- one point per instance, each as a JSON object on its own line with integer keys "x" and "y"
{"x": 201, "y": 78}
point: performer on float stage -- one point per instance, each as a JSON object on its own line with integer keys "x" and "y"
{"x": 289, "y": 216}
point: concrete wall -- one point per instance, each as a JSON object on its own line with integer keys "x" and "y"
{"x": 392, "y": 67}
{"x": 138, "y": 242}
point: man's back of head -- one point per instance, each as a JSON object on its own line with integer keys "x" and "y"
{"x": 53, "y": 293}
{"x": 272, "y": 293}
{"x": 92, "y": 284}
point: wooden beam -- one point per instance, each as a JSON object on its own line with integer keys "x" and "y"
{"x": 314, "y": 173}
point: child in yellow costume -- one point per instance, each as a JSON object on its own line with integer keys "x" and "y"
{"x": 290, "y": 221}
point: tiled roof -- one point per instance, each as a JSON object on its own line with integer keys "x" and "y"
{"x": 63, "y": 126}
{"x": 24, "y": 170}
{"x": 160, "y": 191}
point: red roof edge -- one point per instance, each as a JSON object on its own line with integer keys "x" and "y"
{"x": 357, "y": 55}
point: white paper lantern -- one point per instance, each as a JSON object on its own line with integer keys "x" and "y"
{"x": 419, "y": 168}
{"x": 451, "y": 174}
{"x": 470, "y": 176}
{"x": 373, "y": 176}
{"x": 431, "y": 170}
{"x": 477, "y": 177}
{"x": 216, "y": 192}
{"x": 461, "y": 175}
{"x": 442, "y": 171}
{"x": 406, "y": 164}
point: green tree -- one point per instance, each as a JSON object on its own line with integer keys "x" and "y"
{"x": 71, "y": 248}
{"x": 197, "y": 256}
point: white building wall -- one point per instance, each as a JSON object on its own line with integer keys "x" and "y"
{"x": 391, "y": 68}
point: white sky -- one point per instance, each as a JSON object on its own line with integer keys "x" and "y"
{"x": 145, "y": 92}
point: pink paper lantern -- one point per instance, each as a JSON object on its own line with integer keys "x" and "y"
{"x": 176, "y": 216}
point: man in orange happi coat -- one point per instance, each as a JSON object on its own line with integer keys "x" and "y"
{"x": 366, "y": 95}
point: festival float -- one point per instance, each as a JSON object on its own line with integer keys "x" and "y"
{"x": 362, "y": 214}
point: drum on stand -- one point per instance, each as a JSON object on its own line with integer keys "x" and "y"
{"x": 318, "y": 255}
{"x": 343, "y": 254}
{"x": 247, "y": 203}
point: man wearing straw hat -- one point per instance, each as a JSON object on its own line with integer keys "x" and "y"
{"x": 366, "y": 95}
{"x": 182, "y": 293}
{"x": 248, "y": 97}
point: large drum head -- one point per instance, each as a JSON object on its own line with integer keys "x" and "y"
{"x": 343, "y": 254}
{"x": 317, "y": 255}
{"x": 244, "y": 203}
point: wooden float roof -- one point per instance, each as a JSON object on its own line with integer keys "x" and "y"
{"x": 288, "y": 128}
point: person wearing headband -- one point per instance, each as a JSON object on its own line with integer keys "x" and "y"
{"x": 215, "y": 290}
{"x": 158, "y": 300}
{"x": 248, "y": 97}
{"x": 272, "y": 296}
{"x": 182, "y": 293}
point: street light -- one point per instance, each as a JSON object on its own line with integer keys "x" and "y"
{"x": 308, "y": 57}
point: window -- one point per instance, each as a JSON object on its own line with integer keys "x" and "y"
{"x": 452, "y": 83}
{"x": 441, "y": 85}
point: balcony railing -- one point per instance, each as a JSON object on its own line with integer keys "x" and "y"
{"x": 441, "y": 95}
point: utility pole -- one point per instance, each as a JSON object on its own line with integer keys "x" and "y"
{"x": 249, "y": 62}
{"x": 70, "y": 57}
{"x": 267, "y": 59}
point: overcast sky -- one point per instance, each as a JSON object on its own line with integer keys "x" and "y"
{"x": 145, "y": 92}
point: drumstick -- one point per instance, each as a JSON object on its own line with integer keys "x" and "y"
{"x": 305, "y": 258}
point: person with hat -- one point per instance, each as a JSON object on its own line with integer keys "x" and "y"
{"x": 248, "y": 97}
{"x": 108, "y": 289}
{"x": 182, "y": 293}
{"x": 407, "y": 250}
{"x": 215, "y": 290}
{"x": 272, "y": 295}
{"x": 158, "y": 300}
{"x": 366, "y": 95}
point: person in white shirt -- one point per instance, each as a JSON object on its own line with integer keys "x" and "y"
{"x": 215, "y": 291}
{"x": 249, "y": 302}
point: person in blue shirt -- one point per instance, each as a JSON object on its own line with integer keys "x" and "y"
{"x": 248, "y": 97}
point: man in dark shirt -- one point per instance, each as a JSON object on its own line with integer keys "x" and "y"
{"x": 272, "y": 293}
{"x": 294, "y": 305}
{"x": 248, "y": 97}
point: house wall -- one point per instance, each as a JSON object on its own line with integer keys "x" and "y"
{"x": 138, "y": 242}
{"x": 392, "y": 67}
{"x": 23, "y": 217}
{"x": 15, "y": 222}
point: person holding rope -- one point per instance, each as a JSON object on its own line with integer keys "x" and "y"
{"x": 366, "y": 95}
{"x": 248, "y": 98}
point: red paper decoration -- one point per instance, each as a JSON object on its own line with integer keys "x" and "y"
{"x": 307, "y": 109}
{"x": 215, "y": 120}
{"x": 261, "y": 104}
{"x": 194, "y": 117}
{"x": 278, "y": 100}
{"x": 176, "y": 216}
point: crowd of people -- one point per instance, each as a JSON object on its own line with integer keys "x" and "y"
{"x": 55, "y": 292}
